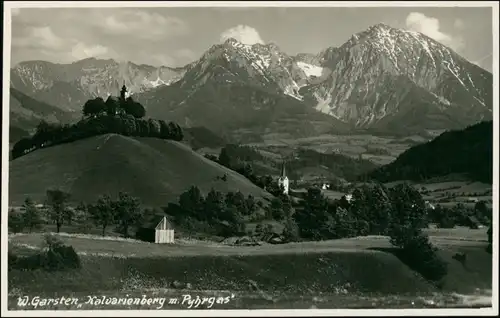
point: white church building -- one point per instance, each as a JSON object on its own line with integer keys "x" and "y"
{"x": 283, "y": 180}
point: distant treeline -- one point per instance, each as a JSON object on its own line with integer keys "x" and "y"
{"x": 468, "y": 151}
{"x": 100, "y": 118}
{"x": 217, "y": 213}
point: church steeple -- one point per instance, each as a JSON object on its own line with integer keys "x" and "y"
{"x": 283, "y": 179}
{"x": 123, "y": 91}
{"x": 283, "y": 170}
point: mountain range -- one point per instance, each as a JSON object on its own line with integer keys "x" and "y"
{"x": 381, "y": 80}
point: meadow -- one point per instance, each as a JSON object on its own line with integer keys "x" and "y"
{"x": 324, "y": 274}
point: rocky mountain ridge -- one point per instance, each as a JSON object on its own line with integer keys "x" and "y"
{"x": 382, "y": 79}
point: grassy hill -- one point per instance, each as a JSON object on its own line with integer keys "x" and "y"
{"x": 468, "y": 151}
{"x": 155, "y": 170}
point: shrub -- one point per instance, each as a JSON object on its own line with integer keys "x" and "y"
{"x": 11, "y": 259}
{"x": 154, "y": 128}
{"x": 82, "y": 218}
{"x": 291, "y": 231}
{"x": 15, "y": 221}
{"x": 146, "y": 234}
{"x": 489, "y": 248}
{"x": 58, "y": 211}
{"x": 446, "y": 222}
{"x": 59, "y": 256}
{"x": 31, "y": 216}
{"x": 313, "y": 212}
{"x": 192, "y": 226}
{"x": 225, "y": 229}
{"x": 420, "y": 255}
{"x": 54, "y": 256}
{"x": 129, "y": 126}
{"x": 142, "y": 128}
{"x": 405, "y": 231}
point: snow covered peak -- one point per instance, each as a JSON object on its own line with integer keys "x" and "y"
{"x": 272, "y": 46}
{"x": 231, "y": 41}
{"x": 309, "y": 69}
{"x": 380, "y": 27}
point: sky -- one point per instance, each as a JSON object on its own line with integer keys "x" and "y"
{"x": 175, "y": 36}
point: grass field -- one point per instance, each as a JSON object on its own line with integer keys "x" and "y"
{"x": 327, "y": 274}
{"x": 128, "y": 247}
{"x": 155, "y": 170}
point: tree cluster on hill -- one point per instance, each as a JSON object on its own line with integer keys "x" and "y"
{"x": 113, "y": 106}
{"x": 215, "y": 213}
{"x": 100, "y": 118}
{"x": 398, "y": 212}
{"x": 468, "y": 151}
{"x": 124, "y": 212}
{"x": 280, "y": 208}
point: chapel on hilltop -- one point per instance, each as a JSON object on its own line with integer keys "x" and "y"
{"x": 123, "y": 92}
{"x": 118, "y": 100}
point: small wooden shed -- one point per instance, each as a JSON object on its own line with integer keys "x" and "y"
{"x": 164, "y": 232}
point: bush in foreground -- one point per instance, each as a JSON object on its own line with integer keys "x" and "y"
{"x": 408, "y": 219}
{"x": 419, "y": 254}
{"x": 489, "y": 248}
{"x": 15, "y": 221}
{"x": 59, "y": 256}
{"x": 55, "y": 256}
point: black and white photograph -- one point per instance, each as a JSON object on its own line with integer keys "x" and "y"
{"x": 250, "y": 158}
